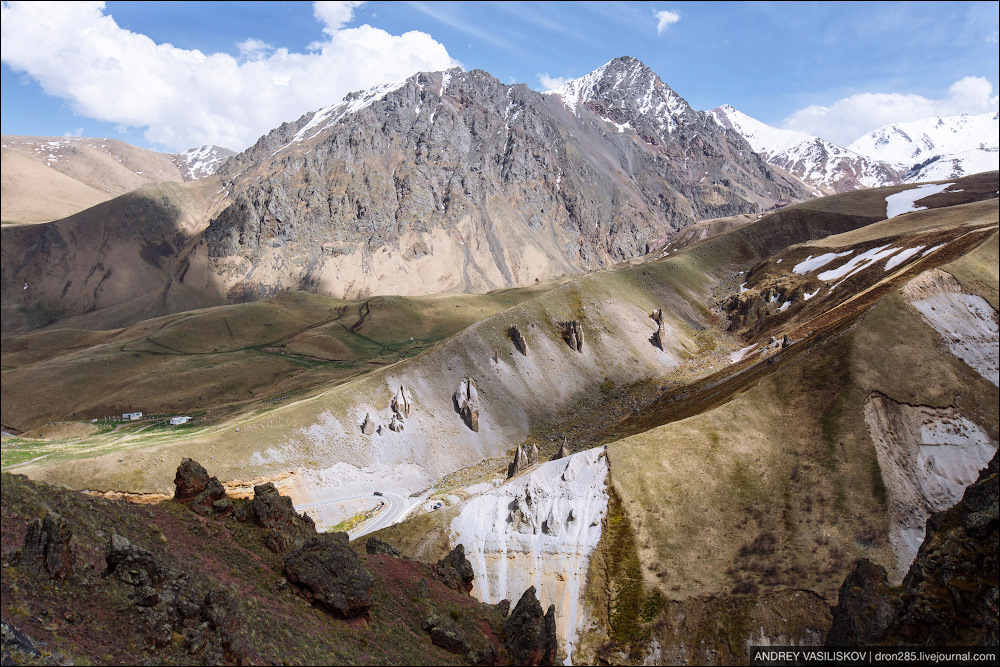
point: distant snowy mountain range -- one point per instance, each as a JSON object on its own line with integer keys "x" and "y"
{"x": 924, "y": 150}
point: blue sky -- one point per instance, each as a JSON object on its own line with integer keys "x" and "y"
{"x": 238, "y": 69}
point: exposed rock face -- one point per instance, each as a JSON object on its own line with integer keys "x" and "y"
{"x": 660, "y": 335}
{"x": 47, "y": 547}
{"x": 284, "y": 527}
{"x": 327, "y": 571}
{"x": 191, "y": 479}
{"x": 205, "y": 495}
{"x": 949, "y": 595}
{"x": 396, "y": 424}
{"x": 367, "y": 426}
{"x": 604, "y": 167}
{"x": 518, "y": 339}
{"x": 402, "y": 403}
{"x": 466, "y": 400}
{"x": 455, "y": 570}
{"x": 533, "y": 454}
{"x": 863, "y": 612}
{"x": 132, "y": 565}
{"x": 530, "y": 635}
{"x": 375, "y": 547}
{"x": 563, "y": 452}
{"x": 445, "y": 633}
{"x": 572, "y": 333}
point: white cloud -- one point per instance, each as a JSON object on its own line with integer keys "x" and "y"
{"x": 255, "y": 49}
{"x": 847, "y": 119}
{"x": 552, "y": 82}
{"x": 665, "y": 19}
{"x": 78, "y": 132}
{"x": 334, "y": 15}
{"x": 187, "y": 98}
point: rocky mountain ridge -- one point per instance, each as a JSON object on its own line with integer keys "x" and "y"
{"x": 532, "y": 185}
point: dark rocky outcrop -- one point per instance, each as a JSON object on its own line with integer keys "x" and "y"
{"x": 284, "y": 527}
{"x": 863, "y": 611}
{"x": 572, "y": 333}
{"x": 455, "y": 570}
{"x": 466, "y": 401}
{"x": 531, "y": 635}
{"x": 326, "y": 571}
{"x": 48, "y": 547}
{"x": 517, "y": 338}
{"x": 375, "y": 547}
{"x": 446, "y": 633}
{"x": 132, "y": 565}
{"x": 659, "y": 337}
{"x": 949, "y": 595}
{"x": 190, "y": 480}
{"x": 204, "y": 495}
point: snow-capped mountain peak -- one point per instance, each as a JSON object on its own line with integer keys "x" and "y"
{"x": 622, "y": 90}
{"x": 202, "y": 161}
{"x": 907, "y": 144}
{"x": 818, "y": 162}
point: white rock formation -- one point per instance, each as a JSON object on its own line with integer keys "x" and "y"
{"x": 402, "y": 403}
{"x": 546, "y": 539}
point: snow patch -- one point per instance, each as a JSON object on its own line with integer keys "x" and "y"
{"x": 811, "y": 263}
{"x": 901, "y": 257}
{"x": 855, "y": 264}
{"x": 905, "y": 201}
{"x": 966, "y": 322}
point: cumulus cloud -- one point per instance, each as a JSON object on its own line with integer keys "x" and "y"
{"x": 850, "y": 118}
{"x": 552, "y": 82}
{"x": 188, "y": 98}
{"x": 664, "y": 19}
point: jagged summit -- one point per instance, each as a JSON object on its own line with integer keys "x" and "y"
{"x": 623, "y": 90}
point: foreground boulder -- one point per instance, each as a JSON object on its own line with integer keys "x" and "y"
{"x": 446, "y": 634}
{"x": 47, "y": 547}
{"x": 455, "y": 570}
{"x": 203, "y": 494}
{"x": 863, "y": 611}
{"x": 132, "y": 565}
{"x": 284, "y": 527}
{"x": 376, "y": 547}
{"x": 326, "y": 571}
{"x": 531, "y": 635}
{"x": 949, "y": 595}
{"x": 190, "y": 480}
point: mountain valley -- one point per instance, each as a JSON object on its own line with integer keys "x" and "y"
{"x": 673, "y": 376}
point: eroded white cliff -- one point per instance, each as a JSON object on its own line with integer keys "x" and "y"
{"x": 539, "y": 529}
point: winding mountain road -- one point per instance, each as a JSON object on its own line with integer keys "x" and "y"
{"x": 394, "y": 508}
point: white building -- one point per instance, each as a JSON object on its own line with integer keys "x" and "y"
{"x": 176, "y": 421}
{"x": 132, "y": 416}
